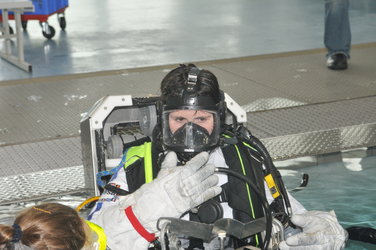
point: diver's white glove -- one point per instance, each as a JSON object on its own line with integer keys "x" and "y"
{"x": 176, "y": 190}
{"x": 321, "y": 231}
{"x": 168, "y": 164}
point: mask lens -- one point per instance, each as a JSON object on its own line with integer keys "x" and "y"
{"x": 190, "y": 130}
{"x": 190, "y": 135}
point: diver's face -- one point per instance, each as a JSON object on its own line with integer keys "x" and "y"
{"x": 200, "y": 117}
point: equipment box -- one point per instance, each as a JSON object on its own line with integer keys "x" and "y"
{"x": 43, "y": 10}
{"x": 47, "y": 7}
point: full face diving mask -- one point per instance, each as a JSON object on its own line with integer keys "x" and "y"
{"x": 191, "y": 137}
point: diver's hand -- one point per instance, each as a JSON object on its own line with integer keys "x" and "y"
{"x": 321, "y": 231}
{"x": 168, "y": 165}
{"x": 176, "y": 190}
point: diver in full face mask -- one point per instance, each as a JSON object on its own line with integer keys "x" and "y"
{"x": 173, "y": 174}
{"x": 191, "y": 114}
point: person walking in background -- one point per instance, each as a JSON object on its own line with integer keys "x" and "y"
{"x": 337, "y": 36}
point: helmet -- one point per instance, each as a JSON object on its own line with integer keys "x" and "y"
{"x": 191, "y": 115}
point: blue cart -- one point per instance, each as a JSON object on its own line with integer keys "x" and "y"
{"x": 43, "y": 10}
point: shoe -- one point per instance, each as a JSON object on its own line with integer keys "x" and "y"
{"x": 337, "y": 62}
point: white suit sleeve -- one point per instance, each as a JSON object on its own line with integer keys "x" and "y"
{"x": 110, "y": 215}
{"x": 119, "y": 230}
{"x": 174, "y": 191}
{"x": 297, "y": 207}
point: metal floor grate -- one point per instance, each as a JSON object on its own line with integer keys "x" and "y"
{"x": 41, "y": 184}
{"x": 40, "y": 156}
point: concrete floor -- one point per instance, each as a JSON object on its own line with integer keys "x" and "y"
{"x": 110, "y": 35}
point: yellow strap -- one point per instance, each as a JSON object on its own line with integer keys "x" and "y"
{"x": 133, "y": 154}
{"x": 142, "y": 151}
{"x": 102, "y": 239}
{"x": 148, "y": 163}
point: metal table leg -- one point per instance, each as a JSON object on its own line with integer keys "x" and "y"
{"x": 7, "y": 55}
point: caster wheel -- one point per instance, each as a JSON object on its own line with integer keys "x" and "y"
{"x": 49, "y": 33}
{"x": 62, "y": 22}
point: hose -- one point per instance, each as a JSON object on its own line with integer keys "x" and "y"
{"x": 85, "y": 202}
{"x": 255, "y": 142}
{"x": 262, "y": 199}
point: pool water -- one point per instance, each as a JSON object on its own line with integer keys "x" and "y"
{"x": 344, "y": 182}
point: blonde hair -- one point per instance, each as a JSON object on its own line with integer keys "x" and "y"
{"x": 49, "y": 226}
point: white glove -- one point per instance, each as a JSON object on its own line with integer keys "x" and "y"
{"x": 321, "y": 231}
{"x": 168, "y": 164}
{"x": 176, "y": 190}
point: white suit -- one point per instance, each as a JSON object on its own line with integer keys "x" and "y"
{"x": 109, "y": 210}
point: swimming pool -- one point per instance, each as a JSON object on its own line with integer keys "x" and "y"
{"x": 344, "y": 182}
